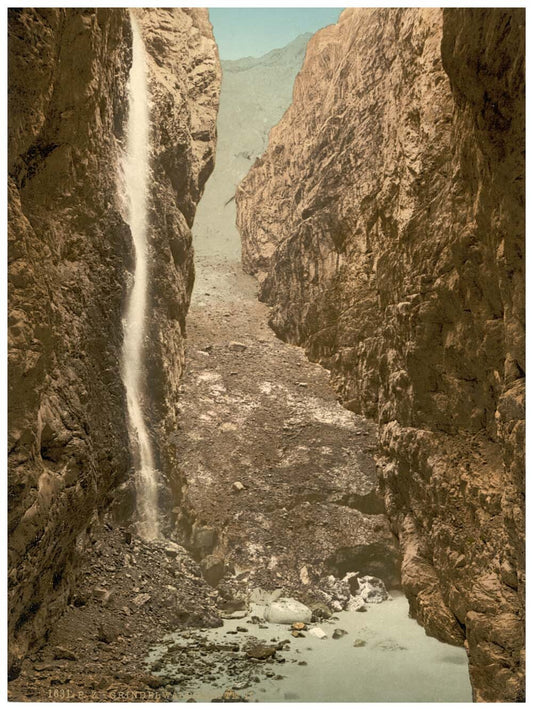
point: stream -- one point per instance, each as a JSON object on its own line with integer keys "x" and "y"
{"x": 384, "y": 657}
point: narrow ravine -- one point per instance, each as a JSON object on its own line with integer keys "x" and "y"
{"x": 280, "y": 483}
{"x": 266, "y": 355}
{"x": 280, "y": 480}
{"x": 280, "y": 491}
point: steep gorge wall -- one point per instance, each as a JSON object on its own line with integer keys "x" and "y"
{"x": 184, "y": 86}
{"x": 70, "y": 264}
{"x": 385, "y": 223}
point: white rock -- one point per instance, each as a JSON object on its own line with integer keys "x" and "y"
{"x": 286, "y": 611}
{"x": 238, "y": 486}
{"x": 355, "y": 603}
{"x": 304, "y": 576}
{"x": 372, "y": 590}
{"x": 318, "y": 632}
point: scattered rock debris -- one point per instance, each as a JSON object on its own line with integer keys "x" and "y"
{"x": 133, "y": 593}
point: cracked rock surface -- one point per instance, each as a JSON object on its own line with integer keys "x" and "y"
{"x": 70, "y": 265}
{"x": 385, "y": 223}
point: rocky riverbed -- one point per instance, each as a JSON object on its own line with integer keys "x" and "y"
{"x": 111, "y": 645}
{"x": 378, "y": 656}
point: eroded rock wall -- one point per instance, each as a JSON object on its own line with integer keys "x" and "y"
{"x": 70, "y": 264}
{"x": 385, "y": 223}
{"x": 184, "y": 85}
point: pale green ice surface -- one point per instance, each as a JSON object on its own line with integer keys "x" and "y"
{"x": 399, "y": 663}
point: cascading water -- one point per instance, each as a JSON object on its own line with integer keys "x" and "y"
{"x": 136, "y": 176}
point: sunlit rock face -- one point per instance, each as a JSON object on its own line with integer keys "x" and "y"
{"x": 385, "y": 223}
{"x": 70, "y": 266}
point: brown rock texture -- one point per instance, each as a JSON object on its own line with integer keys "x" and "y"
{"x": 184, "y": 88}
{"x": 70, "y": 252}
{"x": 385, "y": 223}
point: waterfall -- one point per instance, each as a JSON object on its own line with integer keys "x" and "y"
{"x": 136, "y": 175}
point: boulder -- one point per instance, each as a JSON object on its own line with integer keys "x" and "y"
{"x": 102, "y": 595}
{"x": 228, "y": 606}
{"x": 152, "y": 681}
{"x": 172, "y": 550}
{"x": 355, "y": 604}
{"x": 287, "y": 611}
{"x": 320, "y": 610}
{"x": 106, "y": 634}
{"x": 64, "y": 653}
{"x": 230, "y": 696}
{"x": 236, "y": 347}
{"x": 261, "y": 652}
{"x": 213, "y": 569}
{"x": 372, "y": 590}
{"x": 299, "y": 626}
{"x": 141, "y": 599}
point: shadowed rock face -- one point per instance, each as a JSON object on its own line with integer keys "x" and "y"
{"x": 70, "y": 260}
{"x": 385, "y": 223}
{"x": 184, "y": 87}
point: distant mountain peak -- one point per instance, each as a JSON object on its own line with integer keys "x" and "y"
{"x": 275, "y": 56}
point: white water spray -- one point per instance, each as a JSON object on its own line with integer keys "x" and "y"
{"x": 136, "y": 176}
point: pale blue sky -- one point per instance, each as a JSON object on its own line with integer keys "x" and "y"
{"x": 254, "y": 31}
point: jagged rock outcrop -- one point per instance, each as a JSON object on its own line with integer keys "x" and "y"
{"x": 70, "y": 252}
{"x": 385, "y": 223}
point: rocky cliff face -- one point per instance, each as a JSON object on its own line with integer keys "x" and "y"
{"x": 385, "y": 223}
{"x": 184, "y": 87}
{"x": 70, "y": 259}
